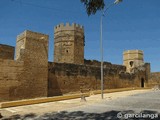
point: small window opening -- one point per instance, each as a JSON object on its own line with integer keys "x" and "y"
{"x": 131, "y": 63}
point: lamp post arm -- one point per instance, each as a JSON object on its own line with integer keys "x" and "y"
{"x": 110, "y": 5}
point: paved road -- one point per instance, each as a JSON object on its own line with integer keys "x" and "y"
{"x": 115, "y": 106}
{"x": 140, "y": 106}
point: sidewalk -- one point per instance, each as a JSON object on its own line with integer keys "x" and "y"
{"x": 60, "y": 98}
{"x": 57, "y": 106}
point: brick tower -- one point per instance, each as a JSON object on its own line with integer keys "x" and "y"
{"x": 32, "y": 46}
{"x": 69, "y": 43}
{"x": 32, "y": 49}
{"x": 132, "y": 59}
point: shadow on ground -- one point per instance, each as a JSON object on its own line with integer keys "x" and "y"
{"x": 80, "y": 115}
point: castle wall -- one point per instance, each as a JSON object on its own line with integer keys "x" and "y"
{"x": 31, "y": 76}
{"x": 67, "y": 78}
{"x": 27, "y": 76}
{"x": 10, "y": 78}
{"x": 154, "y": 79}
{"x": 6, "y": 52}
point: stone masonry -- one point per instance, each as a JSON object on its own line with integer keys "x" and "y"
{"x": 26, "y": 77}
{"x": 132, "y": 59}
{"x": 154, "y": 79}
{"x": 32, "y": 48}
{"x": 69, "y": 43}
{"x": 10, "y": 74}
{"x": 30, "y": 75}
{"x": 6, "y": 52}
{"x": 68, "y": 78}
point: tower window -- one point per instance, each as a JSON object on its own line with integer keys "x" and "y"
{"x": 66, "y": 51}
{"x": 131, "y": 63}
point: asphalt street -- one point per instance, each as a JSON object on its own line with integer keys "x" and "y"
{"x": 137, "y": 106}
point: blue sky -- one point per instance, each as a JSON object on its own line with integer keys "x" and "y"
{"x": 133, "y": 24}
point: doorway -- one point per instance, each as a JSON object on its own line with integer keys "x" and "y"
{"x": 142, "y": 82}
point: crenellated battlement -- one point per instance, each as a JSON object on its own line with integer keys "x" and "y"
{"x": 133, "y": 52}
{"x": 6, "y": 52}
{"x": 69, "y": 43}
{"x": 32, "y": 35}
{"x": 132, "y": 59}
{"x": 133, "y": 55}
{"x": 68, "y": 27}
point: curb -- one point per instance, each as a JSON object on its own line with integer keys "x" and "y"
{"x": 39, "y": 100}
{"x": 59, "y": 98}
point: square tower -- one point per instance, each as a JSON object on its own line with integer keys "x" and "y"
{"x": 32, "y": 49}
{"x": 32, "y": 46}
{"x": 69, "y": 43}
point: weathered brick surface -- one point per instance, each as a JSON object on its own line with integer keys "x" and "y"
{"x": 69, "y": 44}
{"x": 27, "y": 76}
{"x": 31, "y": 76}
{"x": 34, "y": 53}
{"x": 10, "y": 71}
{"x": 64, "y": 78}
{"x": 6, "y": 52}
{"x": 154, "y": 79}
{"x": 132, "y": 59}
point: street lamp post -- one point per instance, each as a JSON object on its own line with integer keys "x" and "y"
{"x": 101, "y": 42}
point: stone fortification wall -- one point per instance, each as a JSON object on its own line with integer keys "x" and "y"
{"x": 66, "y": 78}
{"x": 120, "y": 68}
{"x": 6, "y": 52}
{"x": 10, "y": 78}
{"x": 154, "y": 79}
{"x": 27, "y": 76}
{"x": 96, "y": 63}
{"x": 31, "y": 76}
